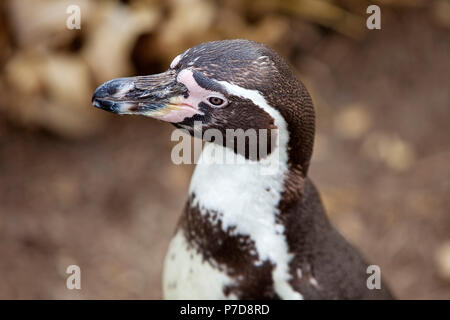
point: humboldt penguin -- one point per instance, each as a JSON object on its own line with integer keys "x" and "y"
{"x": 254, "y": 228}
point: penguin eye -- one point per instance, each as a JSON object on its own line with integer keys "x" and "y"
{"x": 216, "y": 101}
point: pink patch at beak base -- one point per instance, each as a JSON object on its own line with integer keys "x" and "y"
{"x": 180, "y": 113}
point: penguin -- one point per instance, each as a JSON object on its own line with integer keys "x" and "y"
{"x": 256, "y": 228}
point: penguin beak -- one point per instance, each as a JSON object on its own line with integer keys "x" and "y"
{"x": 158, "y": 96}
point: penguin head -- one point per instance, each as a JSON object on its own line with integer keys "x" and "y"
{"x": 224, "y": 85}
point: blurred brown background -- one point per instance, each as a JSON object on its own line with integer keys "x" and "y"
{"x": 80, "y": 186}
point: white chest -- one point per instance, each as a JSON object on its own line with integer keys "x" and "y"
{"x": 247, "y": 202}
{"x": 188, "y": 276}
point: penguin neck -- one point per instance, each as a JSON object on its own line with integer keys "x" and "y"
{"x": 246, "y": 189}
{"x": 277, "y": 179}
{"x": 237, "y": 206}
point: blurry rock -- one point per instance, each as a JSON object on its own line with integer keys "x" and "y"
{"x": 328, "y": 14}
{"x": 352, "y": 122}
{"x": 390, "y": 149}
{"x": 66, "y": 78}
{"x": 110, "y": 40}
{"x": 269, "y": 30}
{"x": 187, "y": 23}
{"x": 52, "y": 91}
{"x": 46, "y": 87}
{"x": 229, "y": 24}
{"x": 180, "y": 23}
{"x": 22, "y": 73}
{"x": 442, "y": 260}
{"x": 441, "y": 12}
{"x": 40, "y": 23}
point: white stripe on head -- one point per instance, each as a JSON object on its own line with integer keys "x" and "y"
{"x": 176, "y": 61}
{"x": 247, "y": 200}
{"x": 258, "y": 99}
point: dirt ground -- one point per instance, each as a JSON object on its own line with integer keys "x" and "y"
{"x": 109, "y": 203}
